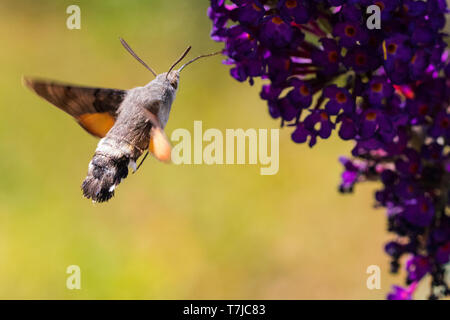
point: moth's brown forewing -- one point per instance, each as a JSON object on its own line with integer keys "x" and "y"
{"x": 95, "y": 109}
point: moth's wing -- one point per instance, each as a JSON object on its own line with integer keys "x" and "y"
{"x": 159, "y": 144}
{"x": 95, "y": 109}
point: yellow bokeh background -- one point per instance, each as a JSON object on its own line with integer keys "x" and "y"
{"x": 171, "y": 232}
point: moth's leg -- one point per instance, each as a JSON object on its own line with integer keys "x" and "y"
{"x": 142, "y": 161}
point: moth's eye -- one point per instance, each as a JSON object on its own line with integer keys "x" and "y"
{"x": 174, "y": 84}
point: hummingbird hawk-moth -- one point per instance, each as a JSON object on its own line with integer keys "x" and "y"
{"x": 129, "y": 122}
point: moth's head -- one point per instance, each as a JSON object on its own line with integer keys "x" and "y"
{"x": 173, "y": 77}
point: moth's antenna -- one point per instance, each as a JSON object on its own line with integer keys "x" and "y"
{"x": 179, "y": 59}
{"x": 126, "y": 46}
{"x": 202, "y": 56}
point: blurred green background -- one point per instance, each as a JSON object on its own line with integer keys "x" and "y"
{"x": 171, "y": 232}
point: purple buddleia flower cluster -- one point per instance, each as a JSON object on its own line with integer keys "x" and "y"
{"x": 386, "y": 89}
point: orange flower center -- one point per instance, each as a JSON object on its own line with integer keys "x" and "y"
{"x": 423, "y": 109}
{"x": 304, "y": 91}
{"x": 333, "y": 56}
{"x": 377, "y": 87}
{"x": 392, "y": 48}
{"x": 290, "y": 4}
{"x": 413, "y": 167}
{"x": 287, "y": 64}
{"x": 380, "y": 4}
{"x": 256, "y": 7}
{"x": 277, "y": 20}
{"x": 324, "y": 116}
{"x": 371, "y": 116}
{"x": 350, "y": 31}
{"x": 361, "y": 59}
{"x": 341, "y": 97}
{"x": 424, "y": 208}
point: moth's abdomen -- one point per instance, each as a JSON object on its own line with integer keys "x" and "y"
{"x": 107, "y": 169}
{"x": 104, "y": 174}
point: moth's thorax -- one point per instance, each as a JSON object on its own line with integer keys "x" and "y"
{"x": 163, "y": 86}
